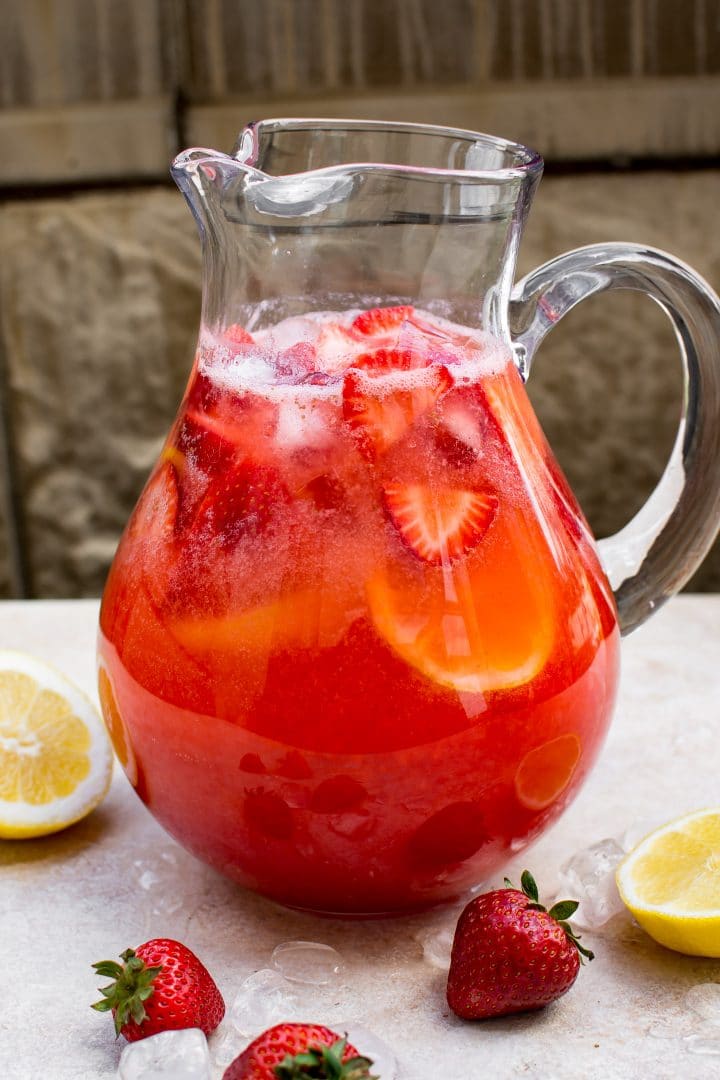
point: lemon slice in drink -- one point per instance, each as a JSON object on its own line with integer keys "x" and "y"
{"x": 55, "y": 757}
{"x": 671, "y": 883}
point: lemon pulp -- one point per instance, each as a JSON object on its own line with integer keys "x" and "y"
{"x": 55, "y": 758}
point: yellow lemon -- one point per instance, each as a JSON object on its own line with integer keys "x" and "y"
{"x": 671, "y": 883}
{"x": 55, "y": 757}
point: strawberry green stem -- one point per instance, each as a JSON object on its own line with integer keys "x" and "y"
{"x": 131, "y": 987}
{"x": 324, "y": 1063}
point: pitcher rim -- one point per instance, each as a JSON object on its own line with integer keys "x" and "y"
{"x": 529, "y": 163}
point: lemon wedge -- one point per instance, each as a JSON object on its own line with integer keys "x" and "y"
{"x": 55, "y": 757}
{"x": 671, "y": 883}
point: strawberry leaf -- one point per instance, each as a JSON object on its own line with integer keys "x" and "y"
{"x": 529, "y": 887}
{"x": 563, "y": 909}
{"x": 575, "y": 939}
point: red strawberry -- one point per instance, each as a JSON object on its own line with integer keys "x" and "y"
{"x": 380, "y": 412}
{"x": 238, "y": 335}
{"x": 378, "y": 321}
{"x": 510, "y": 954}
{"x": 160, "y": 986}
{"x": 439, "y": 524}
{"x": 207, "y": 441}
{"x": 380, "y": 361}
{"x": 291, "y": 1051}
{"x": 240, "y": 501}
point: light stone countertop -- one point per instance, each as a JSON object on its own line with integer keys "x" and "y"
{"x": 77, "y": 897}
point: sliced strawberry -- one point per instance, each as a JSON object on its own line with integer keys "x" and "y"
{"x": 441, "y": 524}
{"x": 380, "y": 361}
{"x": 202, "y": 392}
{"x": 378, "y": 321}
{"x": 325, "y": 491}
{"x": 236, "y": 334}
{"x": 240, "y": 502}
{"x": 206, "y": 441}
{"x": 380, "y": 412}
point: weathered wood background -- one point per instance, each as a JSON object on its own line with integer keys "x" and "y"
{"x": 99, "y": 289}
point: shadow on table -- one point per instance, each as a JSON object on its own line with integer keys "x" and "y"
{"x": 60, "y": 844}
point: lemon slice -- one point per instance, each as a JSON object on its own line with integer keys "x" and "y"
{"x": 671, "y": 883}
{"x": 55, "y": 757}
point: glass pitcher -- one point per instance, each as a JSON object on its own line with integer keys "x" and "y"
{"x": 357, "y": 644}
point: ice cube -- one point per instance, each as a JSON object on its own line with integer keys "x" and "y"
{"x": 308, "y": 962}
{"x": 704, "y": 1001}
{"x": 589, "y": 877}
{"x": 226, "y": 1044}
{"x": 384, "y": 1062}
{"x": 160, "y": 879}
{"x": 437, "y": 946}
{"x": 702, "y": 1044}
{"x": 264, "y": 998}
{"x": 171, "y": 1055}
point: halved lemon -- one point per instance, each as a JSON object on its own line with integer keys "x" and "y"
{"x": 55, "y": 757}
{"x": 671, "y": 883}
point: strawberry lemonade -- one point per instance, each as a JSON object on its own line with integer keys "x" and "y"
{"x": 356, "y": 646}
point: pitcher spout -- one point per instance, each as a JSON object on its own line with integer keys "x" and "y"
{"x": 203, "y": 176}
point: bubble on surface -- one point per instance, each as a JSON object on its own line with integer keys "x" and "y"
{"x": 704, "y": 1001}
{"x": 589, "y": 877}
{"x": 308, "y": 962}
{"x": 264, "y": 998}
{"x": 367, "y": 1043}
{"x": 702, "y": 1044}
{"x": 175, "y": 1055}
{"x": 437, "y": 946}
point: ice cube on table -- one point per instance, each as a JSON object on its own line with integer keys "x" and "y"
{"x": 437, "y": 946}
{"x": 160, "y": 879}
{"x": 171, "y": 1055}
{"x": 264, "y": 998}
{"x": 704, "y": 1001}
{"x": 308, "y": 962}
{"x": 589, "y": 878}
{"x": 226, "y": 1044}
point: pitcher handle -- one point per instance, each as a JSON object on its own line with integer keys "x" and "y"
{"x": 653, "y": 556}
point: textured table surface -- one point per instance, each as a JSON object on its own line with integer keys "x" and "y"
{"x": 70, "y": 899}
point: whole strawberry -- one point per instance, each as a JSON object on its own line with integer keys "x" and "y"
{"x": 510, "y": 955}
{"x": 160, "y": 986}
{"x": 297, "y": 1051}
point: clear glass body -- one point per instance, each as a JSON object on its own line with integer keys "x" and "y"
{"x": 357, "y": 646}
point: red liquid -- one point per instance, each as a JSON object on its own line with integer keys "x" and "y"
{"x": 356, "y": 647}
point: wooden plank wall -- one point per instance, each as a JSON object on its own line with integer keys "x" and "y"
{"x": 94, "y": 90}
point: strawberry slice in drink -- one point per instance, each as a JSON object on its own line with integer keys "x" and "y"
{"x": 235, "y": 334}
{"x": 240, "y": 503}
{"x": 380, "y": 410}
{"x": 439, "y": 524}
{"x": 377, "y": 322}
{"x": 383, "y": 360}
